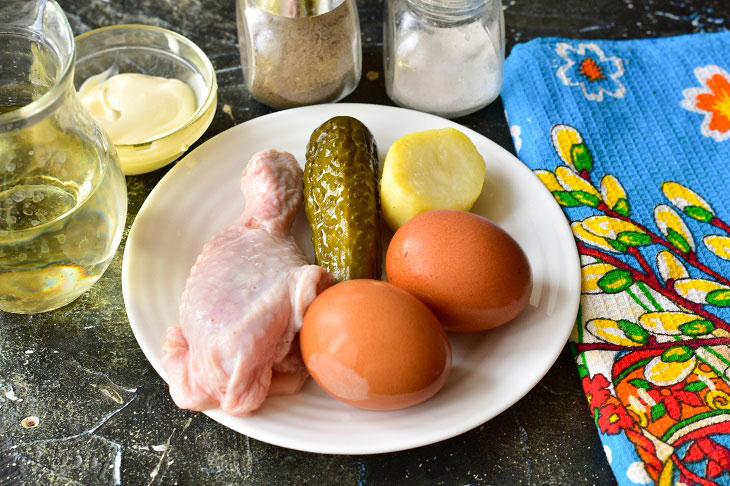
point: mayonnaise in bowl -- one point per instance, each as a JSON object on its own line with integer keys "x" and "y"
{"x": 152, "y": 90}
{"x": 135, "y": 108}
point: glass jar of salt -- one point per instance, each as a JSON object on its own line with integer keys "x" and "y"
{"x": 299, "y": 52}
{"x": 444, "y": 56}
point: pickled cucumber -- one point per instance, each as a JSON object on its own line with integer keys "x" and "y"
{"x": 341, "y": 198}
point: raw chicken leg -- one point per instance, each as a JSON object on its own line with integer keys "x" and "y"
{"x": 245, "y": 299}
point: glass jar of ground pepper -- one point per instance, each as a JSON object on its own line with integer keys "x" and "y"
{"x": 299, "y": 52}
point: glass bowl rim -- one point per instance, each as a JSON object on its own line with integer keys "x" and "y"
{"x": 212, "y": 86}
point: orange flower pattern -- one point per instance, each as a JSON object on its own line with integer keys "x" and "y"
{"x": 591, "y": 70}
{"x": 712, "y": 100}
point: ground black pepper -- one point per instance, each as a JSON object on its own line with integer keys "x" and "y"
{"x": 291, "y": 61}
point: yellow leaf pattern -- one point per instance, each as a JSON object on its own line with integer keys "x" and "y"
{"x": 573, "y": 182}
{"x": 592, "y": 274}
{"x": 665, "y": 374}
{"x": 719, "y": 245}
{"x": 667, "y": 218}
{"x": 580, "y": 232}
{"x": 683, "y": 197}
{"x": 609, "y": 331}
{"x": 611, "y": 190}
{"x": 695, "y": 289}
{"x": 666, "y": 323}
{"x": 564, "y": 137}
{"x": 670, "y": 267}
{"x": 549, "y": 180}
{"x": 609, "y": 227}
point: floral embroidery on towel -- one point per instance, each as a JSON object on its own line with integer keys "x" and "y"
{"x": 588, "y": 67}
{"x": 711, "y": 100}
{"x": 652, "y": 339}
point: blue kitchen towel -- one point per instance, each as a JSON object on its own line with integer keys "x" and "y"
{"x": 633, "y": 140}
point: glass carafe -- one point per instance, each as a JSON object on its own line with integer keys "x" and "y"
{"x": 63, "y": 198}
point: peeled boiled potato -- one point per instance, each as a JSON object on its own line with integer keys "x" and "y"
{"x": 434, "y": 169}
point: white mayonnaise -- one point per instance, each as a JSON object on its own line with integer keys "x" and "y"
{"x": 136, "y": 108}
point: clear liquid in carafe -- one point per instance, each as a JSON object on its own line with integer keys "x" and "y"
{"x": 60, "y": 209}
{"x": 62, "y": 194}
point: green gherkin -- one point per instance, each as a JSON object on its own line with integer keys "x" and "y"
{"x": 341, "y": 198}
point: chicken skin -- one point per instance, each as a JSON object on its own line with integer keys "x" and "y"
{"x": 244, "y": 300}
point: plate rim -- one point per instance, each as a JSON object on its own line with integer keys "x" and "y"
{"x": 354, "y": 448}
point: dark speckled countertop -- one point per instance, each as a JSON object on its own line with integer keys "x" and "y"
{"x": 105, "y": 416}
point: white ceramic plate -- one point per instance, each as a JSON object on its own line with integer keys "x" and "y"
{"x": 491, "y": 371}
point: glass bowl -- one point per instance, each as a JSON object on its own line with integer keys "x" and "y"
{"x": 157, "y": 52}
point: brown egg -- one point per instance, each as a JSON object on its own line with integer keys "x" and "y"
{"x": 468, "y": 270}
{"x": 374, "y": 346}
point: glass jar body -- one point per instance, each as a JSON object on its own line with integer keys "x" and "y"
{"x": 63, "y": 197}
{"x": 443, "y": 57}
{"x": 298, "y": 52}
